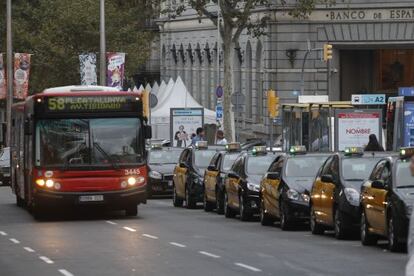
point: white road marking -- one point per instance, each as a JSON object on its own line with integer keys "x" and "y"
{"x": 150, "y": 236}
{"x": 65, "y": 272}
{"x": 209, "y": 254}
{"x": 252, "y": 268}
{"x": 14, "y": 241}
{"x": 3, "y": 233}
{"x": 111, "y": 222}
{"x": 46, "y": 259}
{"x": 28, "y": 249}
{"x": 130, "y": 229}
{"x": 178, "y": 244}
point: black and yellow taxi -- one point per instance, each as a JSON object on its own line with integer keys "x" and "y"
{"x": 386, "y": 201}
{"x": 336, "y": 190}
{"x": 219, "y": 166}
{"x": 242, "y": 183}
{"x": 189, "y": 173}
{"x": 285, "y": 188}
{"x": 161, "y": 163}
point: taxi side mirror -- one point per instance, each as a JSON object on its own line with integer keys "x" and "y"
{"x": 212, "y": 168}
{"x": 378, "y": 184}
{"x": 233, "y": 175}
{"x": 183, "y": 165}
{"x": 327, "y": 178}
{"x": 273, "y": 176}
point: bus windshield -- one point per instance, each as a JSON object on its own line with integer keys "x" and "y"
{"x": 83, "y": 142}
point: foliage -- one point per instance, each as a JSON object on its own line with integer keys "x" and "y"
{"x": 57, "y": 31}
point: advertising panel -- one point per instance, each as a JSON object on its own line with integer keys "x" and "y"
{"x": 2, "y": 79}
{"x": 408, "y": 124}
{"x": 184, "y": 123}
{"x": 21, "y": 75}
{"x": 115, "y": 70}
{"x": 88, "y": 69}
{"x": 353, "y": 127}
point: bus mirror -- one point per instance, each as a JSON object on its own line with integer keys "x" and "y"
{"x": 147, "y": 132}
{"x": 28, "y": 127}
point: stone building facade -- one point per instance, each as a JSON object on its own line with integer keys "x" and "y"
{"x": 373, "y": 52}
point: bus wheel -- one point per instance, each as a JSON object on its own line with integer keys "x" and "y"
{"x": 131, "y": 211}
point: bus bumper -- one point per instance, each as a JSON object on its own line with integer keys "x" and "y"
{"x": 111, "y": 199}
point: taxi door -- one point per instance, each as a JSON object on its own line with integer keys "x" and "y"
{"x": 320, "y": 191}
{"x": 376, "y": 203}
{"x": 327, "y": 192}
{"x": 180, "y": 173}
{"x": 210, "y": 178}
{"x": 270, "y": 188}
{"x": 232, "y": 183}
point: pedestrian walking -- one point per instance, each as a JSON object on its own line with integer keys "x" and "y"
{"x": 220, "y": 140}
{"x": 373, "y": 144}
{"x": 199, "y": 136}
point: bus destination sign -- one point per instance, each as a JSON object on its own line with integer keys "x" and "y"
{"x": 90, "y": 103}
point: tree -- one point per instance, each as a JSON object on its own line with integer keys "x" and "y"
{"x": 57, "y": 31}
{"x": 236, "y": 17}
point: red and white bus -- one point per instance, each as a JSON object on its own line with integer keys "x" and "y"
{"x": 79, "y": 146}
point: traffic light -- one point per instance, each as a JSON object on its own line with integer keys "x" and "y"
{"x": 145, "y": 103}
{"x": 327, "y": 52}
{"x": 272, "y": 104}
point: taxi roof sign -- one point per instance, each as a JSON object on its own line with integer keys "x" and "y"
{"x": 297, "y": 149}
{"x": 156, "y": 146}
{"x": 354, "y": 151}
{"x": 259, "y": 150}
{"x": 201, "y": 145}
{"x": 233, "y": 147}
{"x": 406, "y": 152}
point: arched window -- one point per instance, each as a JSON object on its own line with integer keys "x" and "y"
{"x": 259, "y": 84}
{"x": 248, "y": 81}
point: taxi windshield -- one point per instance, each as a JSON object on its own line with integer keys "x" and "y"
{"x": 303, "y": 166}
{"x": 228, "y": 161}
{"x": 257, "y": 165}
{"x": 203, "y": 158}
{"x": 163, "y": 156}
{"x": 358, "y": 169}
{"x": 403, "y": 174}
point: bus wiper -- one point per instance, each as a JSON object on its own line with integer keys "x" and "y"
{"x": 111, "y": 160}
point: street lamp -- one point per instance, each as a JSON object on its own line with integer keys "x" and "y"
{"x": 102, "y": 75}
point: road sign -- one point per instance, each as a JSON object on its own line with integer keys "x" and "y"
{"x": 368, "y": 99}
{"x": 219, "y": 112}
{"x": 406, "y": 91}
{"x": 219, "y": 91}
{"x": 153, "y": 100}
{"x": 238, "y": 98}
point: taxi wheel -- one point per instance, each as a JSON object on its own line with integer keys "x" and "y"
{"x": 228, "y": 212}
{"x": 219, "y": 203}
{"x": 366, "y": 237}
{"x": 393, "y": 244}
{"x": 131, "y": 211}
{"x": 265, "y": 219}
{"x": 208, "y": 206}
{"x": 189, "y": 200}
{"x": 339, "y": 225}
{"x": 316, "y": 228}
{"x": 244, "y": 213}
{"x": 178, "y": 202}
{"x": 285, "y": 222}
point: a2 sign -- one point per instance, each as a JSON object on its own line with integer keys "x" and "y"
{"x": 368, "y": 99}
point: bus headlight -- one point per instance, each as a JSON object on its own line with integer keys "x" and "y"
{"x": 49, "y": 183}
{"x": 57, "y": 186}
{"x": 124, "y": 184}
{"x": 140, "y": 180}
{"x": 40, "y": 182}
{"x": 132, "y": 181}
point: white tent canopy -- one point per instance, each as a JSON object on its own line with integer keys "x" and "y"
{"x": 141, "y": 89}
{"x": 148, "y": 87}
{"x": 155, "y": 89}
{"x": 162, "y": 95}
{"x": 177, "y": 97}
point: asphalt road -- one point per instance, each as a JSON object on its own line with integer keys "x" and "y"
{"x": 164, "y": 240}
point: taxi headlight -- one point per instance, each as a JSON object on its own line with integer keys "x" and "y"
{"x": 253, "y": 187}
{"x": 49, "y": 183}
{"x": 293, "y": 195}
{"x": 352, "y": 196}
{"x": 132, "y": 181}
{"x": 155, "y": 175}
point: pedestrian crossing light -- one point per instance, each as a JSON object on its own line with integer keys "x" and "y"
{"x": 272, "y": 104}
{"x": 327, "y": 52}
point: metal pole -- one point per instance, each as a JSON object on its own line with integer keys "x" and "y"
{"x": 237, "y": 119}
{"x": 102, "y": 75}
{"x": 271, "y": 134}
{"x": 302, "y": 77}
{"x": 218, "y": 42}
{"x": 9, "y": 73}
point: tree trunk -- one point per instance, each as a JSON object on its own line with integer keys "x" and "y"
{"x": 228, "y": 117}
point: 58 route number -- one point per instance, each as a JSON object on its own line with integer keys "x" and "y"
{"x": 56, "y": 104}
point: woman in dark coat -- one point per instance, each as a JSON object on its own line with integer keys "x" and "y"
{"x": 373, "y": 144}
